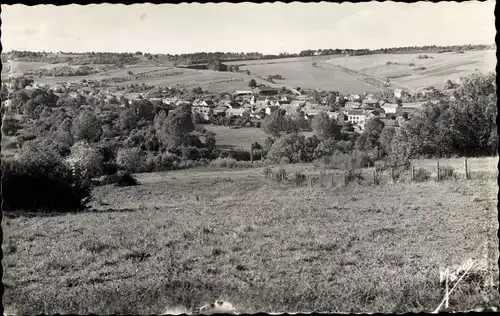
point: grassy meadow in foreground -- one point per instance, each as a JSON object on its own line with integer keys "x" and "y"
{"x": 186, "y": 238}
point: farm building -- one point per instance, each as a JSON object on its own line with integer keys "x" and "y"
{"x": 281, "y": 103}
{"x": 231, "y": 104}
{"x": 237, "y": 112}
{"x": 266, "y": 91}
{"x": 298, "y": 103}
{"x": 220, "y": 110}
{"x": 242, "y": 93}
{"x": 287, "y": 98}
{"x": 354, "y": 97}
{"x": 208, "y": 103}
{"x": 370, "y": 102}
{"x": 400, "y": 94}
{"x": 391, "y": 108}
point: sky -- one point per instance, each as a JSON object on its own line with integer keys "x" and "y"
{"x": 268, "y": 28}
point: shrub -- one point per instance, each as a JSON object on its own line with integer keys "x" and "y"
{"x": 223, "y": 162}
{"x": 88, "y": 159}
{"x": 281, "y": 175}
{"x": 299, "y": 178}
{"x": 10, "y": 126}
{"x": 229, "y": 162}
{"x": 337, "y": 161}
{"x": 447, "y": 173}
{"x": 109, "y": 168}
{"x": 167, "y": 161}
{"x": 41, "y": 180}
{"x": 124, "y": 179}
{"x": 108, "y": 150}
{"x": 381, "y": 165}
{"x": 130, "y": 159}
{"x": 152, "y": 162}
{"x": 421, "y": 175}
{"x": 353, "y": 175}
{"x": 267, "y": 172}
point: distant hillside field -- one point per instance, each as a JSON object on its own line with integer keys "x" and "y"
{"x": 406, "y": 70}
{"x": 355, "y": 74}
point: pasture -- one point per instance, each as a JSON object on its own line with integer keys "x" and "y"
{"x": 303, "y": 74}
{"x": 226, "y": 137}
{"x": 185, "y": 238}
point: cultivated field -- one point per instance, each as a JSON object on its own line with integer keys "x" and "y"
{"x": 438, "y": 68}
{"x": 226, "y": 137}
{"x": 355, "y": 74}
{"x": 189, "y": 237}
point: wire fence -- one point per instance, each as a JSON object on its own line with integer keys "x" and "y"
{"x": 415, "y": 173}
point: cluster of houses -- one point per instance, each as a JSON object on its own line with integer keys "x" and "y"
{"x": 357, "y": 109}
{"x": 258, "y": 103}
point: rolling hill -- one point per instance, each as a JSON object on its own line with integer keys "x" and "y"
{"x": 354, "y": 74}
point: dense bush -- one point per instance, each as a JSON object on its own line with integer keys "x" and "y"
{"x": 130, "y": 159}
{"x": 240, "y": 154}
{"x": 41, "y": 180}
{"x": 292, "y": 147}
{"x": 87, "y": 159}
{"x": 447, "y": 173}
{"x": 10, "y": 126}
{"x": 299, "y": 178}
{"x": 124, "y": 179}
{"x": 109, "y": 168}
{"x": 87, "y": 126}
{"x": 421, "y": 175}
{"x": 281, "y": 175}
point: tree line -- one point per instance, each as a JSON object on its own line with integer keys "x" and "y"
{"x": 206, "y": 57}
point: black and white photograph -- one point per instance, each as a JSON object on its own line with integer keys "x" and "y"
{"x": 239, "y": 158}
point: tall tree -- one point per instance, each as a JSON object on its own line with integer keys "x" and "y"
{"x": 86, "y": 126}
{"x": 324, "y": 127}
{"x": 174, "y": 130}
{"x": 278, "y": 124}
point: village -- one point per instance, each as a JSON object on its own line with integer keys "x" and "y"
{"x": 247, "y": 108}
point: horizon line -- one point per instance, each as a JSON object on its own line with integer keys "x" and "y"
{"x": 246, "y": 52}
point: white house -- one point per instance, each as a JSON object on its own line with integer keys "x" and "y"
{"x": 237, "y": 112}
{"x": 220, "y": 109}
{"x": 356, "y": 117}
{"x": 271, "y": 108}
{"x": 244, "y": 93}
{"x": 391, "y": 108}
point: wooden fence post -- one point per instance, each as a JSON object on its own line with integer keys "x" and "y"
{"x": 321, "y": 179}
{"x": 392, "y": 174}
{"x": 375, "y": 177}
{"x": 333, "y": 181}
{"x": 412, "y": 173}
{"x": 438, "y": 172}
{"x": 310, "y": 181}
{"x": 345, "y": 179}
{"x": 466, "y": 169}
